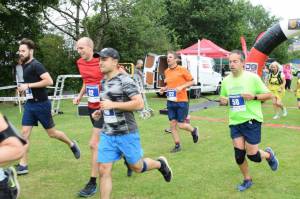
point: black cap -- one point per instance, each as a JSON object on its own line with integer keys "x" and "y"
{"x": 108, "y": 52}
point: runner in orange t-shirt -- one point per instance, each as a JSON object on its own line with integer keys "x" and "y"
{"x": 177, "y": 80}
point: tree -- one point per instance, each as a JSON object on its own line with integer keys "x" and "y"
{"x": 135, "y": 29}
{"x": 52, "y": 52}
{"x": 191, "y": 20}
{"x": 71, "y": 17}
{"x": 293, "y": 55}
{"x": 18, "y": 19}
{"x": 222, "y": 21}
{"x": 138, "y": 31}
{"x": 56, "y": 57}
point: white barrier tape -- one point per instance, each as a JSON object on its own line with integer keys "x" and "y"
{"x": 149, "y": 90}
{"x": 8, "y": 87}
{"x": 13, "y": 99}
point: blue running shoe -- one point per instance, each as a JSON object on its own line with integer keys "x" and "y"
{"x": 272, "y": 161}
{"x": 21, "y": 170}
{"x": 245, "y": 185}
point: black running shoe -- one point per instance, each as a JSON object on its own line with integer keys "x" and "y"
{"x": 75, "y": 149}
{"x": 89, "y": 190}
{"x": 195, "y": 135}
{"x": 165, "y": 169}
{"x": 129, "y": 170}
{"x": 176, "y": 149}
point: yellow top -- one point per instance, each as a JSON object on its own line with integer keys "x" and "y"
{"x": 298, "y": 89}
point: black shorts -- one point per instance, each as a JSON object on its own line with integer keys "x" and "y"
{"x": 96, "y": 123}
{"x": 250, "y": 130}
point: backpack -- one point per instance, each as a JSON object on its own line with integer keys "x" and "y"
{"x": 279, "y": 79}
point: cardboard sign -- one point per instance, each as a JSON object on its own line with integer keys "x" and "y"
{"x": 294, "y": 24}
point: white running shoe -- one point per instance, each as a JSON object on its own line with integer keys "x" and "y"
{"x": 284, "y": 112}
{"x": 276, "y": 117}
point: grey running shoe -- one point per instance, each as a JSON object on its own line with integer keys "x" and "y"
{"x": 168, "y": 130}
{"x": 165, "y": 169}
{"x": 13, "y": 183}
{"x": 75, "y": 149}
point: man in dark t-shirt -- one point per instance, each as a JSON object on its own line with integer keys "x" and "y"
{"x": 37, "y": 107}
{"x": 119, "y": 98}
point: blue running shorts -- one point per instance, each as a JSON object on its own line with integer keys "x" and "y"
{"x": 112, "y": 147}
{"x": 177, "y": 111}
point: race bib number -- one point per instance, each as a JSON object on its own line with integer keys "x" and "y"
{"x": 28, "y": 93}
{"x": 171, "y": 95}
{"x": 251, "y": 67}
{"x": 237, "y": 103}
{"x": 110, "y": 116}
{"x": 92, "y": 92}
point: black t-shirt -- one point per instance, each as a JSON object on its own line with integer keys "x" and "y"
{"x": 31, "y": 74}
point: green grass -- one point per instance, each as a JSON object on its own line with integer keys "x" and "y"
{"x": 203, "y": 170}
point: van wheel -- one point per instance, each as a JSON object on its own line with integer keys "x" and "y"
{"x": 218, "y": 90}
{"x": 196, "y": 93}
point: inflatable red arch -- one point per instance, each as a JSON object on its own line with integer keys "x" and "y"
{"x": 274, "y": 36}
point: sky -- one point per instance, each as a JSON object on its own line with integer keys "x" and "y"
{"x": 286, "y": 9}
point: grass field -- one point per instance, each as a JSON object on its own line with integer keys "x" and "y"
{"x": 203, "y": 170}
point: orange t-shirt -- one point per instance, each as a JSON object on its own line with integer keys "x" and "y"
{"x": 176, "y": 77}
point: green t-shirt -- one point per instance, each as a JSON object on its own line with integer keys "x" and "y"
{"x": 241, "y": 110}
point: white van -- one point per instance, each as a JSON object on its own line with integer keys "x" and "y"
{"x": 206, "y": 79}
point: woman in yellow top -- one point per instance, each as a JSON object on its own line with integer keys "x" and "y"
{"x": 297, "y": 91}
{"x": 276, "y": 85}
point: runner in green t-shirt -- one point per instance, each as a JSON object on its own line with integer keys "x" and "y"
{"x": 243, "y": 91}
